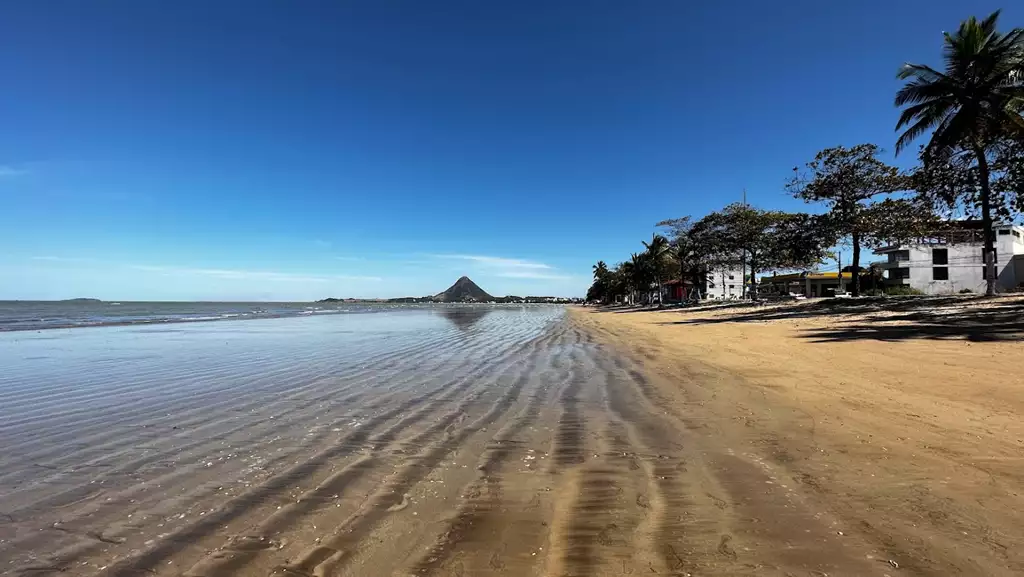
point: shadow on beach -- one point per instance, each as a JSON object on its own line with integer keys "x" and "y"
{"x": 974, "y": 318}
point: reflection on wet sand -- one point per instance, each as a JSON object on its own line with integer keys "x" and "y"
{"x": 465, "y": 316}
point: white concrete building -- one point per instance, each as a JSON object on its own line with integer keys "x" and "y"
{"x": 725, "y": 283}
{"x": 955, "y": 262}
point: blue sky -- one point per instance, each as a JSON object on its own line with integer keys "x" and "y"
{"x": 274, "y": 150}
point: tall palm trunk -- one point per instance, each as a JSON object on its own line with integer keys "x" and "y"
{"x": 855, "y": 287}
{"x": 986, "y": 221}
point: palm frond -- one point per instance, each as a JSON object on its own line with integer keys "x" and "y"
{"x": 917, "y": 91}
{"x": 925, "y": 73}
{"x": 938, "y": 107}
{"x": 952, "y": 132}
{"x": 979, "y": 96}
{"x": 988, "y": 25}
{"x": 925, "y": 120}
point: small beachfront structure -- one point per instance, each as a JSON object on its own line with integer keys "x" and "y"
{"x": 954, "y": 261}
{"x": 809, "y": 284}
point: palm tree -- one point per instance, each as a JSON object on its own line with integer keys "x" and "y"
{"x": 600, "y": 270}
{"x": 637, "y": 268}
{"x": 657, "y": 251}
{"x": 971, "y": 106}
{"x": 628, "y": 276}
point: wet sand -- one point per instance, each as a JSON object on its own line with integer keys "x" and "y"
{"x": 510, "y": 442}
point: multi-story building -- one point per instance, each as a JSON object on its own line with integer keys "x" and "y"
{"x": 725, "y": 283}
{"x": 954, "y": 261}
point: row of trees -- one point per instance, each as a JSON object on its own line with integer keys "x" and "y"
{"x": 972, "y": 167}
{"x": 764, "y": 239}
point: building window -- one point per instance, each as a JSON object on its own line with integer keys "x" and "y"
{"x": 899, "y": 255}
{"x": 899, "y": 273}
{"x": 940, "y": 273}
{"x": 731, "y": 277}
{"x": 732, "y": 286}
{"x": 1016, "y": 233}
{"x": 940, "y": 256}
{"x": 1004, "y": 231}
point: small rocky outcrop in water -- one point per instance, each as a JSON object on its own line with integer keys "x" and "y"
{"x": 463, "y": 291}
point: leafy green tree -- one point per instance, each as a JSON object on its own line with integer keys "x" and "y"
{"x": 972, "y": 106}
{"x": 846, "y": 180}
{"x": 688, "y": 251}
{"x": 600, "y": 290}
{"x": 772, "y": 239}
{"x": 656, "y": 256}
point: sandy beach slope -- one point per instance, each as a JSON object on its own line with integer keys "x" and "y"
{"x": 517, "y": 442}
{"x": 898, "y": 427}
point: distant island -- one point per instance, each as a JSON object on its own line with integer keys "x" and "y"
{"x": 463, "y": 291}
{"x": 81, "y": 300}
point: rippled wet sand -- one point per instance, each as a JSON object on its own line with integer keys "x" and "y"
{"x": 458, "y": 442}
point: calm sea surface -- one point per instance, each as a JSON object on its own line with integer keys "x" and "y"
{"x": 32, "y": 315}
{"x": 121, "y": 426}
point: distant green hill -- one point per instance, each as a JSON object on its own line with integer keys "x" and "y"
{"x": 464, "y": 291}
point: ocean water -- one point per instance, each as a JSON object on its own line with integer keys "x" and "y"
{"x": 34, "y": 315}
{"x": 113, "y": 437}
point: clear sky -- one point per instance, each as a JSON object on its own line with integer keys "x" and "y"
{"x": 260, "y": 149}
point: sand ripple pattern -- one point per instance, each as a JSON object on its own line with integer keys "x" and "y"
{"x": 482, "y": 442}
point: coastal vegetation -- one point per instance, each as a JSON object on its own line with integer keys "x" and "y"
{"x": 971, "y": 167}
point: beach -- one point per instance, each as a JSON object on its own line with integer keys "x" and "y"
{"x": 474, "y": 440}
{"x": 900, "y": 423}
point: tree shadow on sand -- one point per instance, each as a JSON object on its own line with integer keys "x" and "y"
{"x": 894, "y": 319}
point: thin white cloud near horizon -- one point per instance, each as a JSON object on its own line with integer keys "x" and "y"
{"x": 65, "y": 276}
{"x": 513, "y": 268}
{"x": 496, "y": 261}
{"x": 526, "y": 274}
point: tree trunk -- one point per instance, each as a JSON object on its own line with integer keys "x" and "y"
{"x": 986, "y": 222}
{"x": 855, "y": 287}
{"x": 753, "y": 274}
{"x": 743, "y": 276}
{"x": 682, "y": 280}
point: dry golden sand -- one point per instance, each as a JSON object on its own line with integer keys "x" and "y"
{"x": 898, "y": 427}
